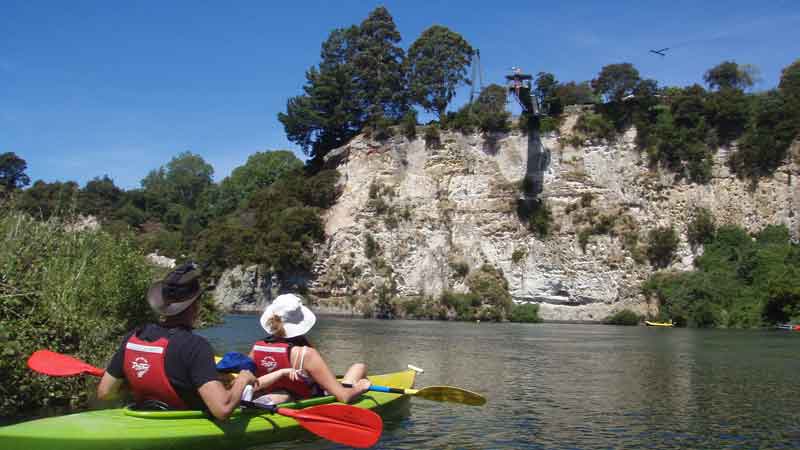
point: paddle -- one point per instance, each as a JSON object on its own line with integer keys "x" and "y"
{"x": 59, "y": 365}
{"x": 343, "y": 424}
{"x": 435, "y": 393}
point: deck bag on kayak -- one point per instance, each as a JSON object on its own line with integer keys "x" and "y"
{"x": 235, "y": 362}
{"x": 272, "y": 356}
{"x": 146, "y": 373}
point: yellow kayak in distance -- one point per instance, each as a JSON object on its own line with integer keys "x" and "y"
{"x": 659, "y": 324}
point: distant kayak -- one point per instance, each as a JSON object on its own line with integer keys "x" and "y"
{"x": 659, "y": 324}
{"x": 788, "y": 327}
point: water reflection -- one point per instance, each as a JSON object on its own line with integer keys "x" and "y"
{"x": 570, "y": 386}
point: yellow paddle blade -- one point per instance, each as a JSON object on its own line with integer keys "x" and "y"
{"x": 450, "y": 394}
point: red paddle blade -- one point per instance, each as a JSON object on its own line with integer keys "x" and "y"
{"x": 58, "y": 365}
{"x": 343, "y": 424}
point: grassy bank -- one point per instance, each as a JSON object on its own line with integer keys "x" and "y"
{"x": 72, "y": 292}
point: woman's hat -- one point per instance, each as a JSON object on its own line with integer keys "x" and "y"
{"x": 179, "y": 289}
{"x": 296, "y": 319}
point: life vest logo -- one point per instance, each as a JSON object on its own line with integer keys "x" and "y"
{"x": 141, "y": 366}
{"x": 269, "y": 363}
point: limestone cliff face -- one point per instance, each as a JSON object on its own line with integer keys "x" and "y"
{"x": 412, "y": 218}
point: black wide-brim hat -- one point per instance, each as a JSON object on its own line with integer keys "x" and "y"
{"x": 177, "y": 291}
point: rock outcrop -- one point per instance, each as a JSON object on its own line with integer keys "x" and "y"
{"x": 412, "y": 218}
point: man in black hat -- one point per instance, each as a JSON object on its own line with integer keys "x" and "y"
{"x": 166, "y": 363}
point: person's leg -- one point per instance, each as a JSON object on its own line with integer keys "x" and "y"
{"x": 354, "y": 373}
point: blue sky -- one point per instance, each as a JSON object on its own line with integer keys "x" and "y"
{"x": 118, "y": 88}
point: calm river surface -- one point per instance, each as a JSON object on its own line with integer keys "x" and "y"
{"x": 569, "y": 386}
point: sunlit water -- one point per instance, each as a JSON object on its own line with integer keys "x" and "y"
{"x": 569, "y": 386}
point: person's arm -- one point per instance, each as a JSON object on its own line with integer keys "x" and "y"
{"x": 112, "y": 381}
{"x": 322, "y": 374}
{"x": 220, "y": 401}
{"x": 203, "y": 371}
{"x": 109, "y": 387}
{"x": 267, "y": 380}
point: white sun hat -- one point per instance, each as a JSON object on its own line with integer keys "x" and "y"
{"x": 297, "y": 319}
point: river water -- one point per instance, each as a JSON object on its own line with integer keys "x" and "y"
{"x": 569, "y": 386}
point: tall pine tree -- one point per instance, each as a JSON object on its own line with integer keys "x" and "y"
{"x": 378, "y": 63}
{"x": 359, "y": 79}
{"x": 437, "y": 65}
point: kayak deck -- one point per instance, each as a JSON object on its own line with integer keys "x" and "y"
{"x": 123, "y": 429}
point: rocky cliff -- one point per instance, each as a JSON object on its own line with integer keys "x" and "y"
{"x": 414, "y": 217}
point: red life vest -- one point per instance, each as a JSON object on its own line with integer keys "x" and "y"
{"x": 273, "y": 356}
{"x": 146, "y": 374}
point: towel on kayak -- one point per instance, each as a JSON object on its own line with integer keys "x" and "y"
{"x": 233, "y": 362}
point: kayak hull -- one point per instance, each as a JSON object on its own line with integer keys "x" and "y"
{"x": 659, "y": 324}
{"x": 122, "y": 429}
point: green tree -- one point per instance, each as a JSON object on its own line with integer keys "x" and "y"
{"x": 729, "y": 111}
{"x": 44, "y": 200}
{"x": 545, "y": 92}
{"x": 330, "y": 111}
{"x": 183, "y": 180}
{"x": 771, "y": 130}
{"x": 488, "y": 112}
{"x": 616, "y": 81}
{"x": 572, "y": 93}
{"x": 378, "y": 63}
{"x": 730, "y": 75}
{"x": 738, "y": 282}
{"x": 260, "y": 171}
{"x": 437, "y": 65}
{"x": 790, "y": 80}
{"x": 100, "y": 197}
{"x": 12, "y": 172}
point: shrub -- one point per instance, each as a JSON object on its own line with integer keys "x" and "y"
{"x": 518, "y": 255}
{"x": 460, "y": 268}
{"x": 382, "y": 129}
{"x": 661, "y": 245}
{"x": 525, "y": 312}
{"x": 595, "y": 127}
{"x": 537, "y": 214}
{"x": 379, "y": 205}
{"x": 371, "y": 247}
{"x": 431, "y": 136}
{"x": 549, "y": 124}
{"x": 623, "y": 317}
{"x": 490, "y": 286}
{"x": 701, "y": 228}
{"x": 583, "y": 237}
{"x": 464, "y": 305}
{"x": 76, "y": 293}
{"x": 408, "y": 125}
{"x": 586, "y": 199}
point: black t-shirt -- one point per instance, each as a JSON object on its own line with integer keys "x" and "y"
{"x": 189, "y": 361}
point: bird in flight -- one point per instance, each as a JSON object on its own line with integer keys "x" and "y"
{"x": 660, "y": 52}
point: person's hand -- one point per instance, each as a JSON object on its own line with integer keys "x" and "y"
{"x": 294, "y": 375}
{"x": 247, "y": 376}
{"x": 362, "y": 385}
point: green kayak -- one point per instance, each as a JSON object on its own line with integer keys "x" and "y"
{"x": 123, "y": 429}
